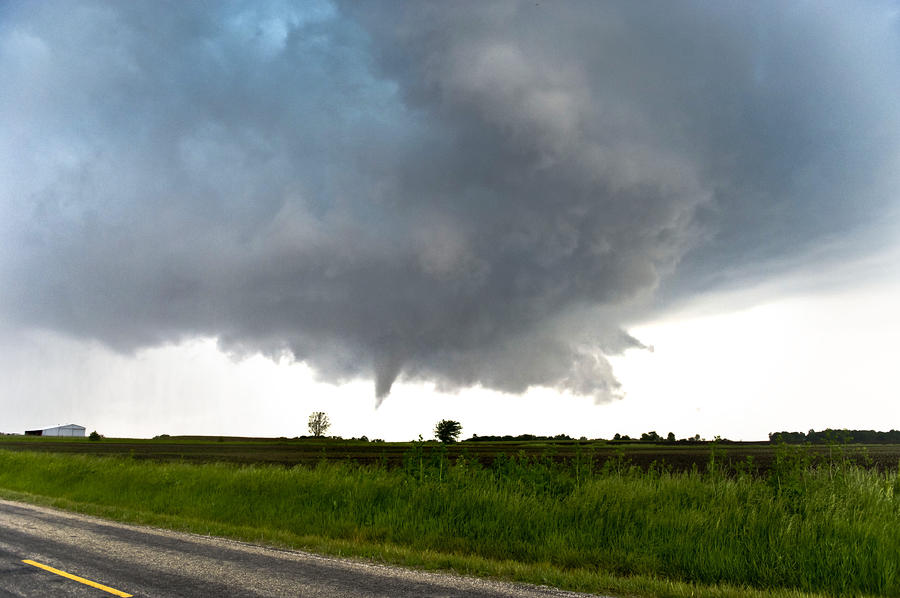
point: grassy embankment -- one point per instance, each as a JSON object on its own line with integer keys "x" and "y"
{"x": 829, "y": 529}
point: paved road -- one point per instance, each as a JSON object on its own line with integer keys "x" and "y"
{"x": 143, "y": 561}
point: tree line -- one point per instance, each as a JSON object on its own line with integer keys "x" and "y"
{"x": 448, "y": 431}
{"x": 841, "y": 436}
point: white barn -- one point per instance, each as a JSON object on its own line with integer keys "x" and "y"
{"x": 66, "y": 430}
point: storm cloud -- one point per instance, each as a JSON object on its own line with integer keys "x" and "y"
{"x": 470, "y": 193}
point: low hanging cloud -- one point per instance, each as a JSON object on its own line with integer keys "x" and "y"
{"x": 467, "y": 192}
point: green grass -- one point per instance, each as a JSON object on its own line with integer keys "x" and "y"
{"x": 831, "y": 529}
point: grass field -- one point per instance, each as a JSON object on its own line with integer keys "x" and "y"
{"x": 806, "y": 524}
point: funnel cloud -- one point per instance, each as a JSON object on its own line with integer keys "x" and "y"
{"x": 467, "y": 193}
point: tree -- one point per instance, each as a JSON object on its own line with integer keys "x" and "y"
{"x": 318, "y": 423}
{"x": 447, "y": 430}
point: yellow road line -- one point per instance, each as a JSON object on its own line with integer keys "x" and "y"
{"x": 87, "y": 582}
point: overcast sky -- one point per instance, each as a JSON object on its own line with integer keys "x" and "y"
{"x": 564, "y": 217}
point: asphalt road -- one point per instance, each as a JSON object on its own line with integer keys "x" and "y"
{"x": 142, "y": 561}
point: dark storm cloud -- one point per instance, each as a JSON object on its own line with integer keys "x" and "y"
{"x": 468, "y": 193}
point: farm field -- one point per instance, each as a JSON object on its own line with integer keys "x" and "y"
{"x": 309, "y": 451}
{"x": 590, "y": 516}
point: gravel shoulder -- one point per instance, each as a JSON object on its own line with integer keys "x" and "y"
{"x": 145, "y": 561}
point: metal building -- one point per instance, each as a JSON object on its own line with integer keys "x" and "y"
{"x": 66, "y": 430}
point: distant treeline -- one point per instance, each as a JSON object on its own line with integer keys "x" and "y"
{"x": 829, "y": 436}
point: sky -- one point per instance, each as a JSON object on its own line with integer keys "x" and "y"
{"x": 574, "y": 217}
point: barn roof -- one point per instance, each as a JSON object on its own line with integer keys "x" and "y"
{"x": 61, "y": 426}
